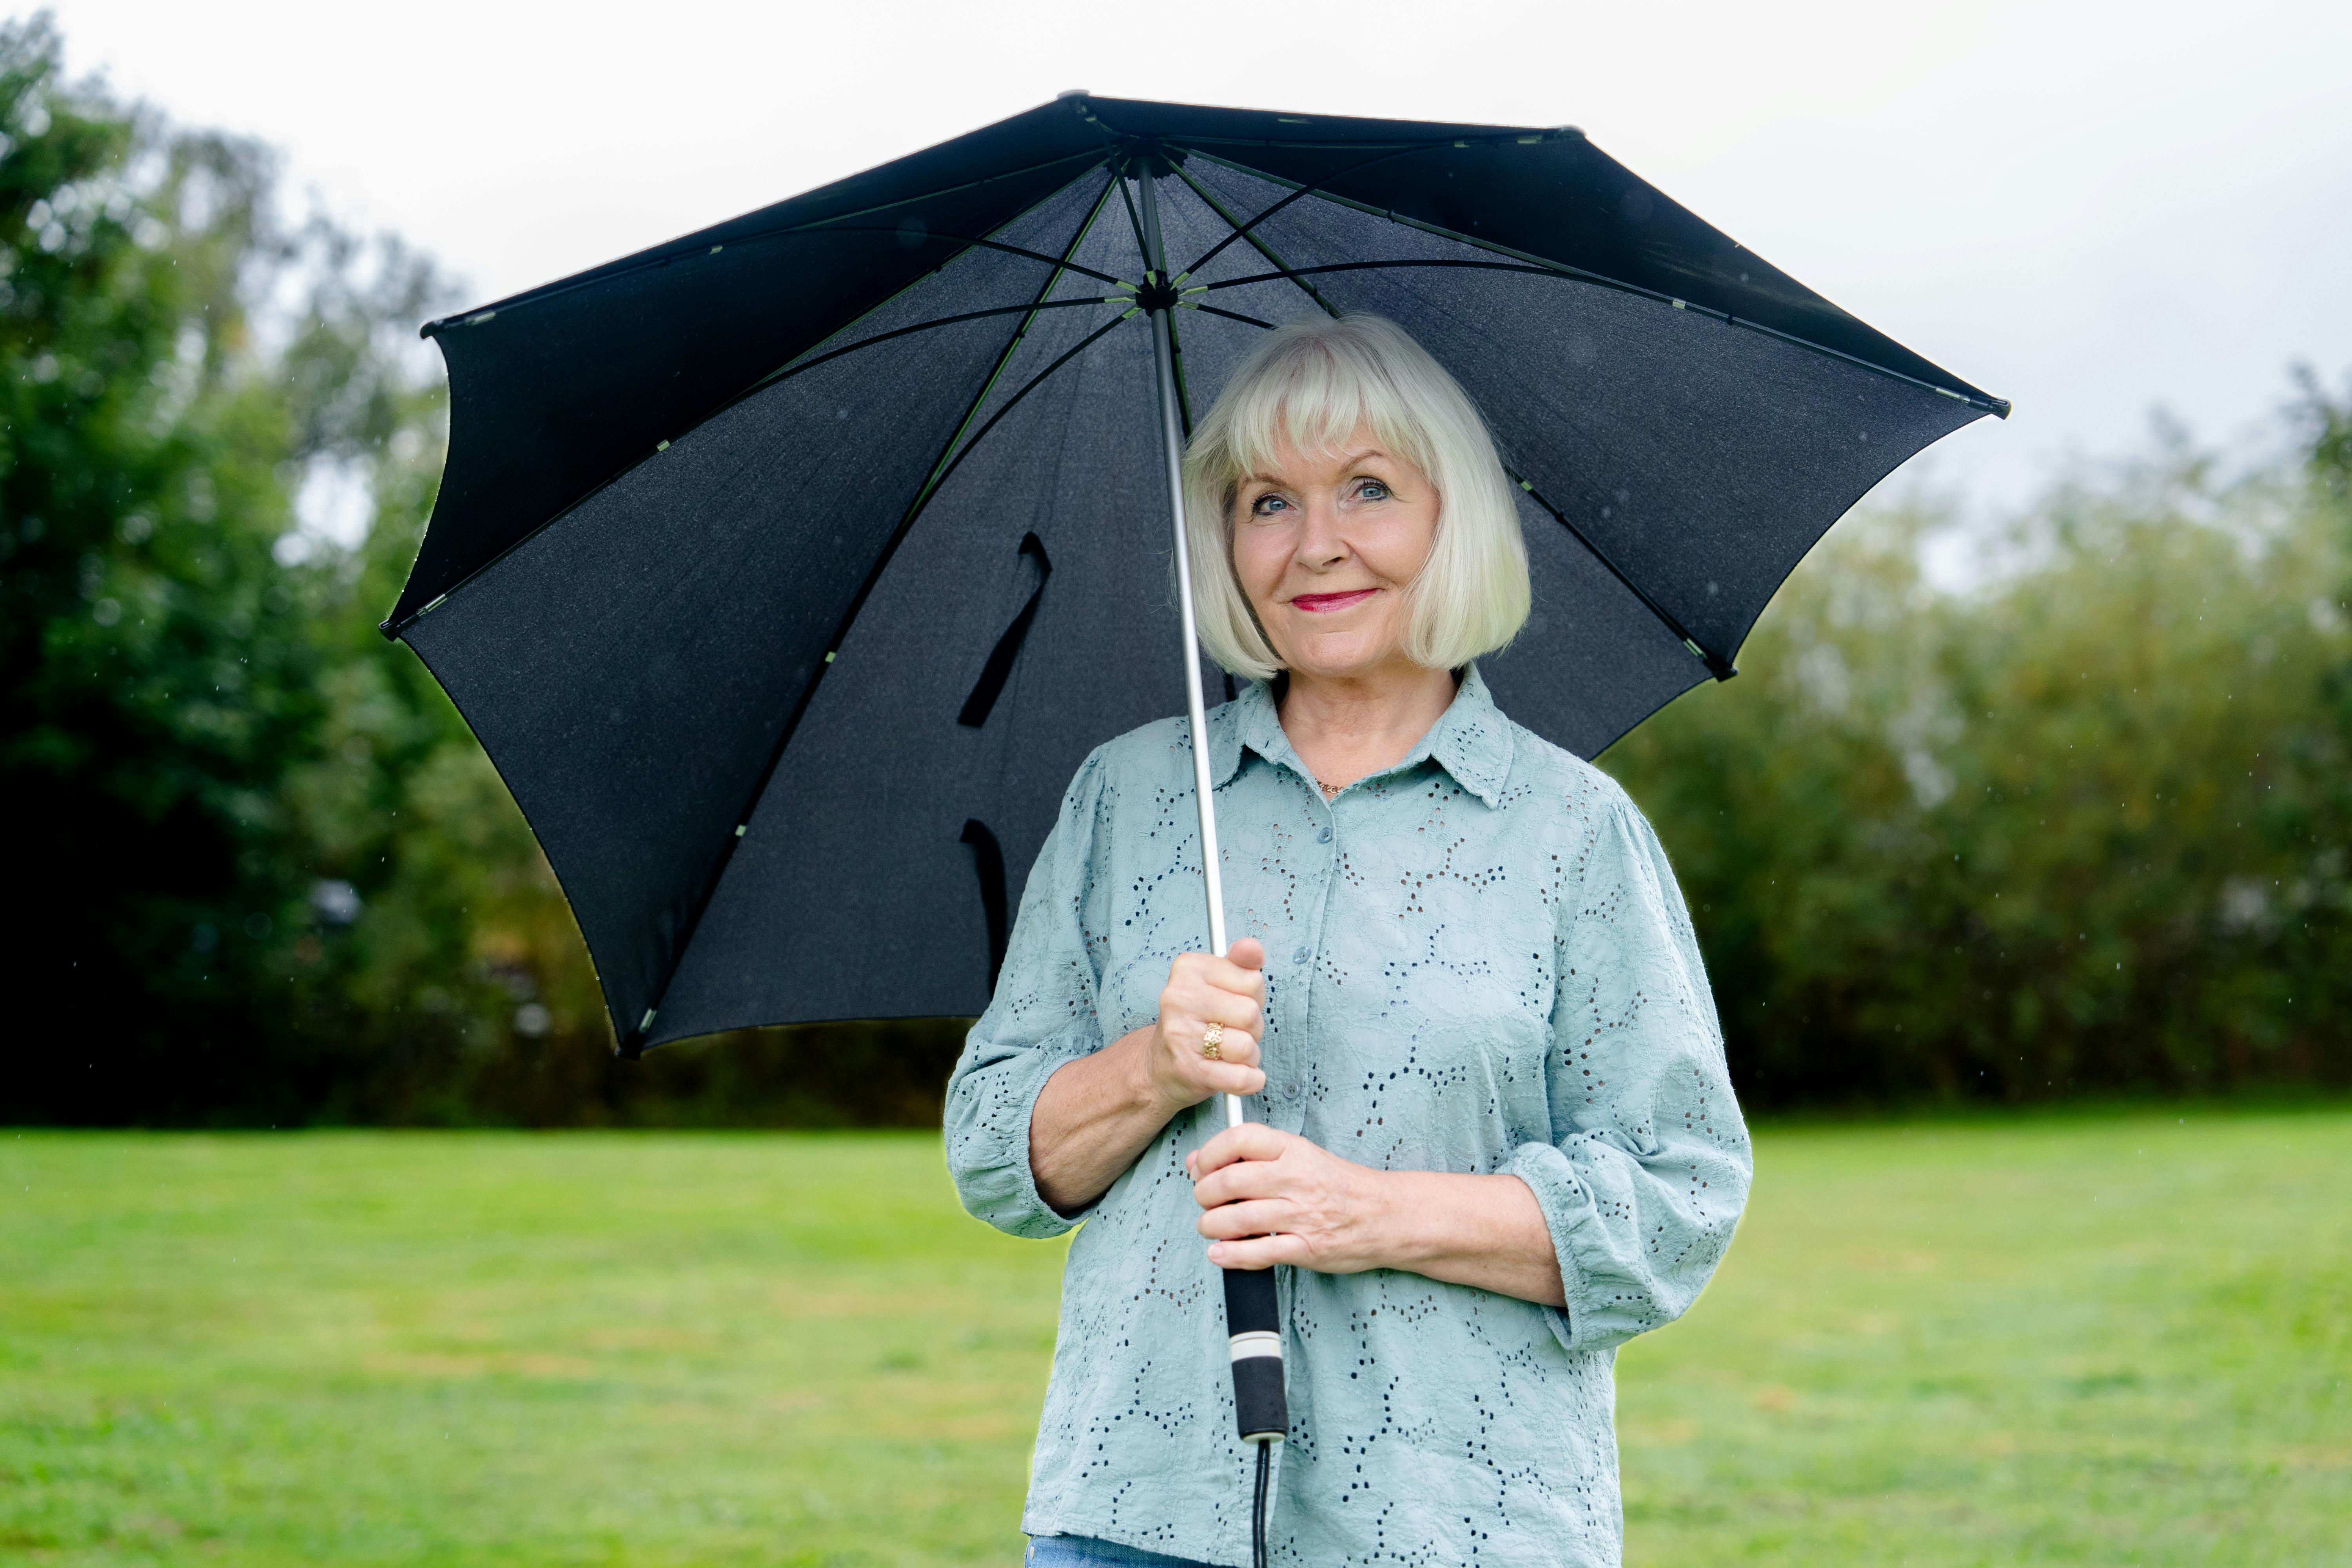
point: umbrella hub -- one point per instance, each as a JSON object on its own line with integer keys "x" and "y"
{"x": 1157, "y": 292}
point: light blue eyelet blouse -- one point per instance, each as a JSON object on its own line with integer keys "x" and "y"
{"x": 1476, "y": 961}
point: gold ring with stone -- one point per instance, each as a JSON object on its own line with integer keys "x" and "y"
{"x": 1212, "y": 1041}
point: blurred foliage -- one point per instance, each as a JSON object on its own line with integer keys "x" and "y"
{"x": 260, "y": 871}
{"x": 2085, "y": 828}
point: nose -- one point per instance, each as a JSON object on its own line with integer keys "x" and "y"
{"x": 1319, "y": 541}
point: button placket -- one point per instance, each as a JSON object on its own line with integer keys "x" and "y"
{"x": 1286, "y": 1096}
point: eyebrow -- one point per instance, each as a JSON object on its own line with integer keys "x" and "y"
{"x": 1350, "y": 456}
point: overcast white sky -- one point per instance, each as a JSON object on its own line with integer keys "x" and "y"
{"x": 2089, "y": 209}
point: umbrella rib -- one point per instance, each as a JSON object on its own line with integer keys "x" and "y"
{"x": 1399, "y": 263}
{"x": 1062, "y": 262}
{"x": 1717, "y": 664}
{"x": 776, "y": 378}
{"x": 1022, "y": 172}
{"x": 431, "y": 328}
{"x": 1243, "y": 231}
{"x": 1229, "y": 315}
{"x": 632, "y": 1045}
{"x": 790, "y": 370}
{"x": 628, "y": 265}
{"x": 1998, "y": 407}
{"x": 1134, "y": 223}
{"x": 1473, "y": 242}
{"x": 1031, "y": 386}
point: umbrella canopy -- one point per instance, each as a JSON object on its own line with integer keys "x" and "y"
{"x": 787, "y": 571}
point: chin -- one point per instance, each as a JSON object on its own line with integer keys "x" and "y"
{"x": 1341, "y": 660}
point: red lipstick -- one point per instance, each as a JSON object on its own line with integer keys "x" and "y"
{"x": 1322, "y": 604}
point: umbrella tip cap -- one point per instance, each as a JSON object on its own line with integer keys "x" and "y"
{"x": 1073, "y": 92}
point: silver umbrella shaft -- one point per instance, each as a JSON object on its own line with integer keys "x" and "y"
{"x": 1253, "y": 1307}
{"x": 1172, "y": 441}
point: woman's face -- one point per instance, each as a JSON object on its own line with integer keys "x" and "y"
{"x": 1325, "y": 545}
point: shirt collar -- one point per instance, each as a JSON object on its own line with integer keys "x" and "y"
{"x": 1471, "y": 740}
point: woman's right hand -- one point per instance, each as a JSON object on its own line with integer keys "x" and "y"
{"x": 1097, "y": 1113}
{"x": 1203, "y": 989}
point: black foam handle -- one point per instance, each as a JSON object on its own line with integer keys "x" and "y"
{"x": 1261, "y": 1409}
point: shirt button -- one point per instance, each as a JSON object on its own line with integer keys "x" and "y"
{"x": 1324, "y": 837}
{"x": 1301, "y": 956}
{"x": 1290, "y": 1092}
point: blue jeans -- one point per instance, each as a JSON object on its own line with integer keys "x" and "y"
{"x": 1085, "y": 1552}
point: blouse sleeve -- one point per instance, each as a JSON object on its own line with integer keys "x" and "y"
{"x": 1649, "y": 1162}
{"x": 1043, "y": 1014}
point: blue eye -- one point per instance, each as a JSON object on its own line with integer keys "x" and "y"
{"x": 1265, "y": 505}
{"x": 1372, "y": 490}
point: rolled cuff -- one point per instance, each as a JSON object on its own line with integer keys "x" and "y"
{"x": 1568, "y": 1212}
{"x": 989, "y": 1112}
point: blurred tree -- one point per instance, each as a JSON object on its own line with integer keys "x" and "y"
{"x": 263, "y": 874}
{"x": 152, "y": 661}
{"x": 2082, "y": 829}
{"x": 209, "y": 764}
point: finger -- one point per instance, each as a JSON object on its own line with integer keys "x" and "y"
{"x": 1260, "y": 1252}
{"x": 1186, "y": 1035}
{"x": 1231, "y": 996}
{"x": 1229, "y": 972}
{"x": 1226, "y": 1077}
{"x": 1240, "y": 1182}
{"x": 1262, "y": 1217}
{"x": 1237, "y": 1047}
{"x": 1224, "y": 976}
{"x": 1249, "y": 953}
{"x": 1250, "y": 1141}
{"x": 1231, "y": 1009}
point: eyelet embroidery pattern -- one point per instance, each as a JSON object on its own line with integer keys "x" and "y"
{"x": 1477, "y": 961}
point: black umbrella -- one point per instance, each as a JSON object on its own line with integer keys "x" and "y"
{"x": 787, "y": 571}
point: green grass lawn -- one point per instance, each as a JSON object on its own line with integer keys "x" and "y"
{"x": 2116, "y": 1339}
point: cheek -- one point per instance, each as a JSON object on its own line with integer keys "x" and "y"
{"x": 1402, "y": 550}
{"x": 1259, "y": 560}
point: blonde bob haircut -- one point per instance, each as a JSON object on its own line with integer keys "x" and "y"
{"x": 1317, "y": 381}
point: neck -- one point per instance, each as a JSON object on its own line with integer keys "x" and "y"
{"x": 1344, "y": 727}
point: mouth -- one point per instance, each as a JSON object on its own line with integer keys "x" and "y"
{"x": 1324, "y": 604}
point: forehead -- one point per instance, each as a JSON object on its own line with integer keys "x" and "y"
{"x": 1285, "y": 458}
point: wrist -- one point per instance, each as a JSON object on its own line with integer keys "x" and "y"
{"x": 1391, "y": 1222}
{"x": 1412, "y": 1224}
{"x": 1147, "y": 1088}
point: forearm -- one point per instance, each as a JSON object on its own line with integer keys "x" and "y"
{"x": 1271, "y": 1197}
{"x": 1094, "y": 1116}
{"x": 1486, "y": 1231}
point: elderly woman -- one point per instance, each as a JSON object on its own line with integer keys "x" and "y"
{"x": 1498, "y": 1139}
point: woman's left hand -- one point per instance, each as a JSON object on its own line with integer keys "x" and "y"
{"x": 1273, "y": 1197}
